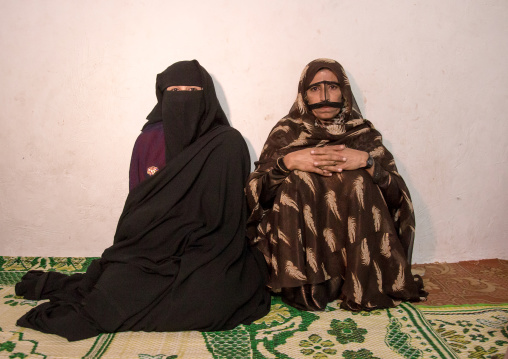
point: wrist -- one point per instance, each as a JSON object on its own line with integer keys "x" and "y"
{"x": 369, "y": 162}
{"x": 282, "y": 165}
{"x": 286, "y": 160}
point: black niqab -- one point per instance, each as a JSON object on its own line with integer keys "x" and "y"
{"x": 186, "y": 115}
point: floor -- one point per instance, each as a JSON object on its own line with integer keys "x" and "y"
{"x": 468, "y": 282}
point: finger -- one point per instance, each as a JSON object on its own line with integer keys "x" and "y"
{"x": 321, "y": 171}
{"x": 330, "y": 162}
{"x": 333, "y": 169}
{"x": 326, "y": 150}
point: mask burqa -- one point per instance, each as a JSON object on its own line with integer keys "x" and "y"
{"x": 179, "y": 260}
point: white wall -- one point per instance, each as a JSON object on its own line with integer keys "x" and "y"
{"x": 77, "y": 81}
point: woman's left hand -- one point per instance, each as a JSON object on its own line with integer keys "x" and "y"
{"x": 355, "y": 159}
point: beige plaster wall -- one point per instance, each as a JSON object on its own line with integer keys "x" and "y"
{"x": 77, "y": 81}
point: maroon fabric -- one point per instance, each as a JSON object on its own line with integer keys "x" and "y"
{"x": 148, "y": 153}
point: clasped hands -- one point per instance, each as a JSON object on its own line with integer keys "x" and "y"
{"x": 327, "y": 160}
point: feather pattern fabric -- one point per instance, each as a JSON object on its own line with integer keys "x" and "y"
{"x": 396, "y": 215}
{"x": 379, "y": 277}
{"x": 311, "y": 259}
{"x": 358, "y": 290}
{"x": 351, "y": 225}
{"x": 385, "y": 246}
{"x": 285, "y": 200}
{"x": 330, "y": 239}
{"x": 306, "y": 179}
{"x": 344, "y": 256}
{"x": 362, "y": 131}
{"x": 358, "y": 185}
{"x": 356, "y": 122}
{"x": 260, "y": 229}
{"x": 294, "y": 272}
{"x": 376, "y": 214}
{"x": 408, "y": 201}
{"x": 283, "y": 237}
{"x": 309, "y": 221}
{"x": 337, "y": 129}
{"x": 331, "y": 201}
{"x": 327, "y": 276}
{"x": 365, "y": 253}
{"x": 377, "y": 152}
{"x": 342, "y": 226}
{"x": 280, "y": 128}
{"x": 274, "y": 264}
{"x": 302, "y": 140}
{"x": 398, "y": 285}
{"x": 253, "y": 185}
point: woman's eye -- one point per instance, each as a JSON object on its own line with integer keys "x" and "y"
{"x": 175, "y": 89}
{"x": 192, "y": 89}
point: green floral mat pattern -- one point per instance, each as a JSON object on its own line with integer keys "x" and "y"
{"x": 479, "y": 331}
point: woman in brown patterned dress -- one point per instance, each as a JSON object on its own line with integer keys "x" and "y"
{"x": 329, "y": 210}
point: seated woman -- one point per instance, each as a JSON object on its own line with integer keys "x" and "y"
{"x": 180, "y": 258}
{"x": 329, "y": 210}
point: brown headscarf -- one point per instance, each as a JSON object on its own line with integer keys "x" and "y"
{"x": 299, "y": 108}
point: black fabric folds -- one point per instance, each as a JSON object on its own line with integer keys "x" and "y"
{"x": 180, "y": 259}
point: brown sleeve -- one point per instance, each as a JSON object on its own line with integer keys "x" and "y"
{"x": 388, "y": 185}
{"x": 270, "y": 182}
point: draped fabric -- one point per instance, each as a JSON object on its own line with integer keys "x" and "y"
{"x": 343, "y": 236}
{"x": 180, "y": 259}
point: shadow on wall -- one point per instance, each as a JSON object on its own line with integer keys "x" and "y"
{"x": 224, "y": 103}
{"x": 424, "y": 245}
{"x": 357, "y": 93}
{"x": 221, "y": 96}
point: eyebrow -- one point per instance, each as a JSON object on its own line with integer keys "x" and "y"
{"x": 324, "y": 83}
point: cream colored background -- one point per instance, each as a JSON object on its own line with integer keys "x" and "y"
{"x": 77, "y": 81}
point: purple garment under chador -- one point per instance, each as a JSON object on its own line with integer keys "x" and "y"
{"x": 148, "y": 155}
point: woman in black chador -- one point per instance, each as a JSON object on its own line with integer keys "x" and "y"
{"x": 180, "y": 260}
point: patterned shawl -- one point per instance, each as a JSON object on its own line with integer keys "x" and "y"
{"x": 300, "y": 129}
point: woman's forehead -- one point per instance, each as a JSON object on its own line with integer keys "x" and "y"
{"x": 324, "y": 74}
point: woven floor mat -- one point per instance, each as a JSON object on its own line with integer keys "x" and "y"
{"x": 467, "y": 282}
{"x": 479, "y": 331}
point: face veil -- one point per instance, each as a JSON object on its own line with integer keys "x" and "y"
{"x": 186, "y": 115}
{"x": 302, "y": 109}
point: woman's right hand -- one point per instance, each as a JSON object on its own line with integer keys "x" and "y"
{"x": 322, "y": 160}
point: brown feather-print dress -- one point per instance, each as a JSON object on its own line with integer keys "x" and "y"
{"x": 351, "y": 228}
